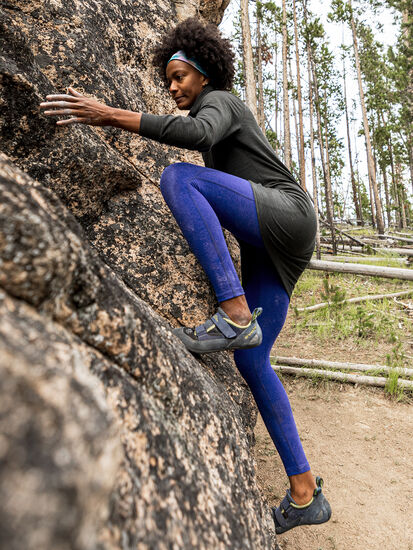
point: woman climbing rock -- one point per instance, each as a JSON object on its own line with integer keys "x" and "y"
{"x": 245, "y": 188}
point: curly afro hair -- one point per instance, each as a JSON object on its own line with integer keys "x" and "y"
{"x": 202, "y": 42}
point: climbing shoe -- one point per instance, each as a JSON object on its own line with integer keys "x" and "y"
{"x": 289, "y": 514}
{"x": 221, "y": 333}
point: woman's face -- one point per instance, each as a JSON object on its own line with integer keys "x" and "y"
{"x": 185, "y": 83}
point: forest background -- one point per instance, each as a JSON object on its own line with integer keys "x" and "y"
{"x": 331, "y": 86}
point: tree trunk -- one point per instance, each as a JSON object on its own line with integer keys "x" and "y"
{"x": 394, "y": 186}
{"x": 357, "y": 207}
{"x": 372, "y": 202}
{"x": 342, "y": 377}
{"x": 370, "y": 163}
{"x": 386, "y": 194}
{"x": 313, "y": 166}
{"x": 299, "y": 362}
{"x": 359, "y": 194}
{"x": 286, "y": 109}
{"x": 276, "y": 107}
{"x": 327, "y": 182}
{"x": 400, "y": 194}
{"x": 407, "y": 18}
{"x": 369, "y": 270}
{"x": 329, "y": 190}
{"x": 320, "y": 137}
{"x": 261, "y": 112}
{"x": 301, "y": 156}
{"x": 250, "y": 95}
{"x": 294, "y": 114}
{"x": 357, "y": 300}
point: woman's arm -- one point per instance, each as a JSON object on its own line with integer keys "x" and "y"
{"x": 85, "y": 110}
{"x": 215, "y": 120}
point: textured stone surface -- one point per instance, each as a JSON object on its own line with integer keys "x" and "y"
{"x": 187, "y": 479}
{"x": 93, "y": 273}
{"x": 109, "y": 179}
{"x": 60, "y": 449}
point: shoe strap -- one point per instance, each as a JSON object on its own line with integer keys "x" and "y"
{"x": 223, "y": 326}
{"x": 202, "y": 330}
{"x": 256, "y": 313}
{"x": 319, "y": 482}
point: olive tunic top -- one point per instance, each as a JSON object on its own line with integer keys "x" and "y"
{"x": 224, "y": 130}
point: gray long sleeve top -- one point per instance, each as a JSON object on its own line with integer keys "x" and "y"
{"x": 224, "y": 130}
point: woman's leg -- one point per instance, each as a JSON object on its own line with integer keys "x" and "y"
{"x": 202, "y": 200}
{"x": 263, "y": 288}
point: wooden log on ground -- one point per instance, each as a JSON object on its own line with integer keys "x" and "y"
{"x": 354, "y": 239}
{"x": 360, "y": 269}
{"x": 358, "y": 299}
{"x": 343, "y": 377}
{"x": 299, "y": 362}
{"x": 410, "y": 235}
{"x": 396, "y": 238}
{"x": 344, "y": 250}
{"x": 368, "y": 259}
{"x": 401, "y": 251}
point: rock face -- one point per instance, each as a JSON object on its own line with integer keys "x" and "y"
{"x": 112, "y": 435}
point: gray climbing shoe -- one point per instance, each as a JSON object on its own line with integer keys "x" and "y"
{"x": 221, "y": 333}
{"x": 289, "y": 514}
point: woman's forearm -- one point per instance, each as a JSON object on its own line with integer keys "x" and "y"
{"x": 127, "y": 120}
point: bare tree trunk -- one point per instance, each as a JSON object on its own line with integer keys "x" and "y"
{"x": 400, "y": 194}
{"x": 357, "y": 207}
{"x": 250, "y": 95}
{"x": 313, "y": 167}
{"x": 407, "y": 17}
{"x": 370, "y": 163}
{"x": 301, "y": 156}
{"x": 329, "y": 189}
{"x": 360, "y": 198}
{"x": 386, "y": 194}
{"x": 277, "y": 149}
{"x": 294, "y": 113}
{"x": 286, "y": 109}
{"x": 320, "y": 137}
{"x": 372, "y": 208}
{"x": 327, "y": 182}
{"x": 261, "y": 113}
{"x": 394, "y": 186}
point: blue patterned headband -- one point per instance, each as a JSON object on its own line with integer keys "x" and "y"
{"x": 180, "y": 55}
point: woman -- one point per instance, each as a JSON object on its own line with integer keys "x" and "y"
{"x": 273, "y": 221}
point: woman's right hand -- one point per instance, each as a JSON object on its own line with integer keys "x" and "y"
{"x": 83, "y": 110}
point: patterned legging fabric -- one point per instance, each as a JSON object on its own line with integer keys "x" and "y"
{"x": 203, "y": 200}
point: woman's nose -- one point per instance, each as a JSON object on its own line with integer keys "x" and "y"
{"x": 173, "y": 87}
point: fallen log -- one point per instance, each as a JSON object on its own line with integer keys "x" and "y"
{"x": 397, "y": 238}
{"x": 401, "y": 234}
{"x": 298, "y": 362}
{"x": 401, "y": 251}
{"x": 369, "y": 259}
{"x": 357, "y": 299}
{"x": 344, "y": 250}
{"x": 343, "y": 377}
{"x": 360, "y": 269}
{"x": 355, "y": 239}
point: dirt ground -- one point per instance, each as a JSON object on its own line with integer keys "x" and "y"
{"x": 360, "y": 442}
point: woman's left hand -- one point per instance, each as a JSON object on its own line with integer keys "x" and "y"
{"x": 84, "y": 110}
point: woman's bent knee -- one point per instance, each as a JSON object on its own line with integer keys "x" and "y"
{"x": 173, "y": 174}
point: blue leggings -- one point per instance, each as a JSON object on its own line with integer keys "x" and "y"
{"x": 202, "y": 200}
